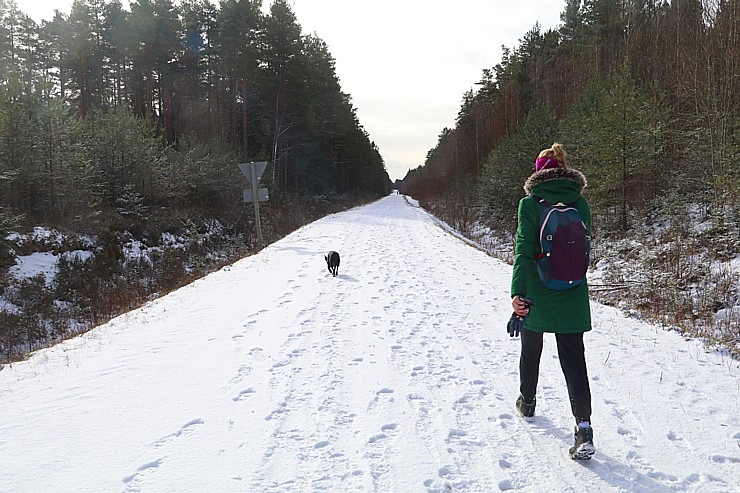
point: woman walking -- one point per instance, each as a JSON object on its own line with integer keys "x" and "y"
{"x": 562, "y": 310}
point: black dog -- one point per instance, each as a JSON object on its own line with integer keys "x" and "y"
{"x": 332, "y": 262}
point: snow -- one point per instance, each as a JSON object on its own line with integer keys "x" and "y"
{"x": 398, "y": 375}
{"x": 44, "y": 263}
{"x": 34, "y": 264}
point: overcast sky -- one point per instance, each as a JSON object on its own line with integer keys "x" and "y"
{"x": 406, "y": 63}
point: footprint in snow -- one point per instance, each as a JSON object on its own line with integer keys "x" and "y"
{"x": 456, "y": 434}
{"x": 673, "y": 437}
{"x": 505, "y": 420}
{"x": 376, "y": 438}
{"x": 244, "y": 394}
{"x": 142, "y": 469}
{"x": 279, "y": 364}
{"x": 242, "y": 372}
{"x": 721, "y": 459}
{"x": 282, "y": 409}
{"x": 186, "y": 429}
{"x": 505, "y": 485}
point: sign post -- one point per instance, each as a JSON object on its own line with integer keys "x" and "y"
{"x": 253, "y": 171}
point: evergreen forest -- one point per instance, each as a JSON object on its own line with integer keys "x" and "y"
{"x": 121, "y": 130}
{"x": 645, "y": 97}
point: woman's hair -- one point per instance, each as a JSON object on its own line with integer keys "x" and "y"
{"x": 556, "y": 151}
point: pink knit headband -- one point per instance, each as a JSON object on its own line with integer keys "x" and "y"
{"x": 545, "y": 162}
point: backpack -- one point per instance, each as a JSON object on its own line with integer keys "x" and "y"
{"x": 564, "y": 246}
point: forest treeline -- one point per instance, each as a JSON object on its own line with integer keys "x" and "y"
{"x": 128, "y": 125}
{"x": 645, "y": 96}
{"x": 104, "y": 109}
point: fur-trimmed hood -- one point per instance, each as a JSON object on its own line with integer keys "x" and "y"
{"x": 553, "y": 174}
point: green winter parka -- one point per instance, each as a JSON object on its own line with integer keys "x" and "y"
{"x": 556, "y": 311}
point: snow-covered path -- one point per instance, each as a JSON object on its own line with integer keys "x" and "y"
{"x": 396, "y": 376}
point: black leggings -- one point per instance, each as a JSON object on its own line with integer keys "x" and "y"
{"x": 573, "y": 363}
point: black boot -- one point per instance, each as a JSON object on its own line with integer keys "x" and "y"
{"x": 526, "y": 408}
{"x": 583, "y": 448}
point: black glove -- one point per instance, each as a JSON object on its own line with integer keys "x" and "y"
{"x": 516, "y": 322}
{"x": 515, "y": 325}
